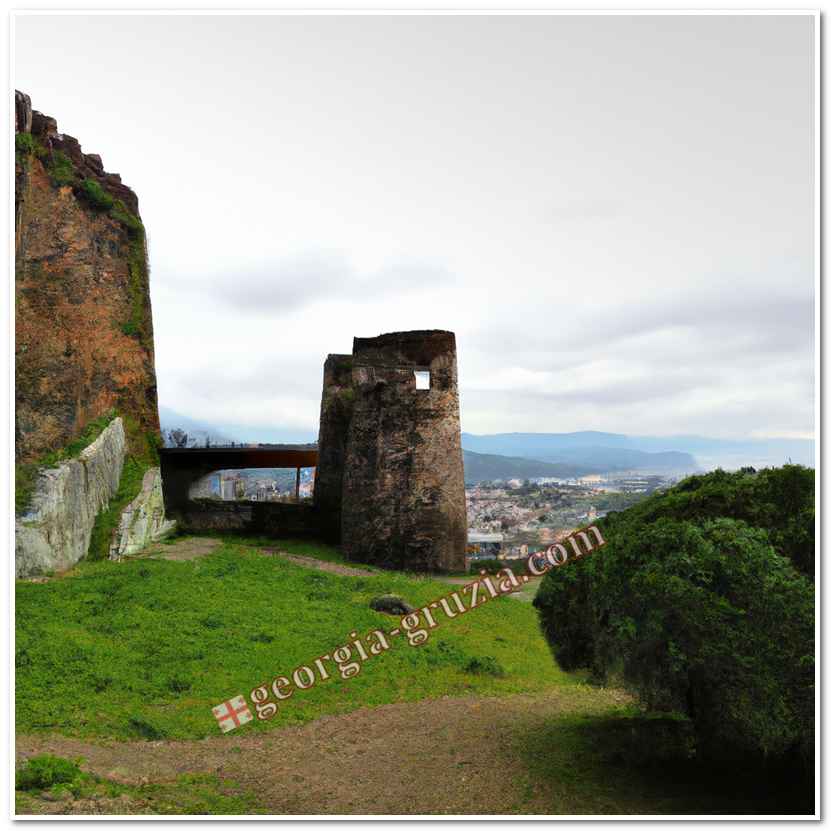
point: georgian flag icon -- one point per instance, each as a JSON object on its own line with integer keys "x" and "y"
{"x": 231, "y": 714}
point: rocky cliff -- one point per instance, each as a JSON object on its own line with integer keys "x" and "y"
{"x": 83, "y": 326}
{"x": 84, "y": 350}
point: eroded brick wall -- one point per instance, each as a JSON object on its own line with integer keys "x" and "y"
{"x": 402, "y": 479}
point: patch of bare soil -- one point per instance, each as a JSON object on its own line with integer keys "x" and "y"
{"x": 446, "y": 756}
{"x": 124, "y": 804}
{"x": 188, "y": 548}
{"x": 320, "y": 565}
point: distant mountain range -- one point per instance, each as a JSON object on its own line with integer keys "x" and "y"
{"x": 226, "y": 433}
{"x": 661, "y": 454}
{"x": 482, "y": 467}
{"x": 566, "y": 455}
{"x": 592, "y": 452}
{"x": 198, "y": 432}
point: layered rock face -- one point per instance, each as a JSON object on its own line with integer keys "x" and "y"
{"x": 395, "y": 452}
{"x": 83, "y": 325}
{"x": 143, "y": 521}
{"x": 55, "y": 532}
{"x": 84, "y": 343}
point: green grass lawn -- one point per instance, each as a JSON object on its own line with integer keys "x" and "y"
{"x": 144, "y": 649}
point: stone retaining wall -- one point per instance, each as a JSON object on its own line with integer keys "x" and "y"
{"x": 55, "y": 532}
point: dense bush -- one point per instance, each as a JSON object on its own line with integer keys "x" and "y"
{"x": 779, "y": 500}
{"x": 702, "y": 603}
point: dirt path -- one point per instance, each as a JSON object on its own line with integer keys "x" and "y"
{"x": 320, "y": 565}
{"x": 452, "y": 755}
{"x": 190, "y": 548}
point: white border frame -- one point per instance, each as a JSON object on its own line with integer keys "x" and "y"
{"x": 337, "y": 8}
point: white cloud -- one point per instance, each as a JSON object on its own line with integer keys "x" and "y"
{"x": 615, "y": 219}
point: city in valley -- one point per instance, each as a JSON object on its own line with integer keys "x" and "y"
{"x": 514, "y": 518}
{"x": 506, "y": 518}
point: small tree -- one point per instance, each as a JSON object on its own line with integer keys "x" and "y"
{"x": 178, "y": 437}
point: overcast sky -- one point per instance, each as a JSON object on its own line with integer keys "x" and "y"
{"x": 614, "y": 214}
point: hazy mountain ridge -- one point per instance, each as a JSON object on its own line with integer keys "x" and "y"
{"x": 480, "y": 467}
{"x": 661, "y": 452}
{"x": 593, "y": 452}
{"x": 198, "y": 432}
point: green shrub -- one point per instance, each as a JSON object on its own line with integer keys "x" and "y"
{"x": 780, "y": 500}
{"x": 700, "y": 615}
{"x": 96, "y": 195}
{"x": 61, "y": 169}
{"x": 25, "y": 143}
{"x": 42, "y": 772}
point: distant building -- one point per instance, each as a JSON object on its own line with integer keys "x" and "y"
{"x": 484, "y": 546}
{"x": 231, "y": 486}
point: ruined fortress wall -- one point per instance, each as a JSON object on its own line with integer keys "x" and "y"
{"x": 335, "y": 413}
{"x": 403, "y": 499}
{"x": 83, "y": 325}
{"x": 56, "y": 530}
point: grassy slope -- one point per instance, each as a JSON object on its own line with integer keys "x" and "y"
{"x": 144, "y": 649}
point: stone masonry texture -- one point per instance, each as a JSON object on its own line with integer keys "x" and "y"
{"x": 395, "y": 452}
{"x": 335, "y": 413}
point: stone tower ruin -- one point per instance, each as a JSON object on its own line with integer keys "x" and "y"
{"x": 390, "y": 479}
